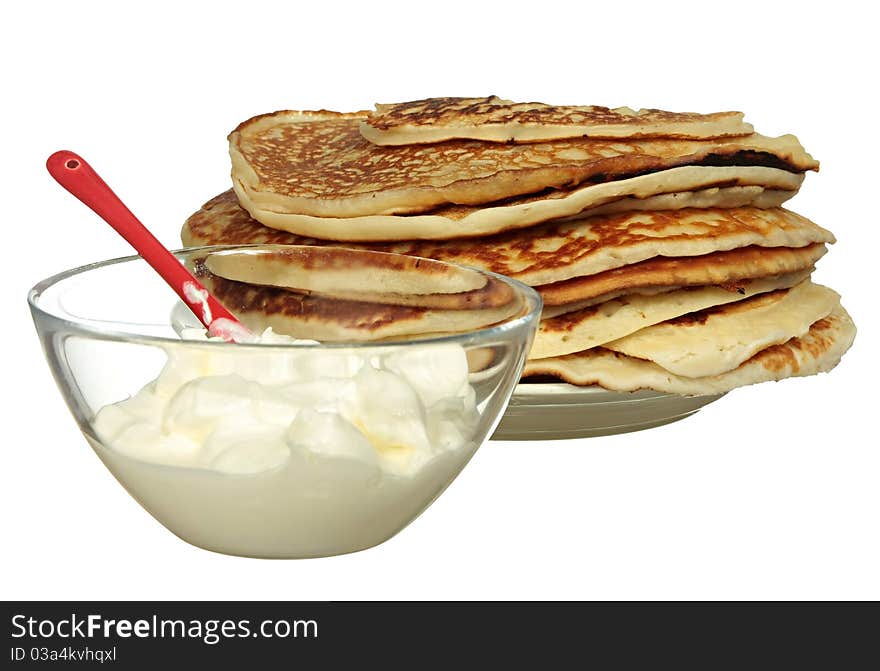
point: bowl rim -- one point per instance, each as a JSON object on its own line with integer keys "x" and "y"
{"x": 80, "y": 326}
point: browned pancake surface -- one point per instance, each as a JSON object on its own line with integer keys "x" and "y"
{"x": 494, "y": 110}
{"x": 552, "y": 249}
{"x": 319, "y": 163}
{"x": 719, "y": 268}
{"x": 363, "y": 275}
{"x": 244, "y": 299}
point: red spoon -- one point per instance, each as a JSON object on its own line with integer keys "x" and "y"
{"x": 78, "y": 177}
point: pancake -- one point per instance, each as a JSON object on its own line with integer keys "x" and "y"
{"x": 764, "y": 197}
{"x": 673, "y": 189}
{"x": 588, "y": 246}
{"x": 551, "y": 311}
{"x": 714, "y": 341}
{"x": 663, "y": 273}
{"x": 318, "y": 164}
{"x": 332, "y": 320}
{"x": 492, "y": 119}
{"x": 223, "y": 219}
{"x": 817, "y": 351}
{"x": 620, "y": 317}
{"x": 364, "y": 276}
{"x": 556, "y": 252}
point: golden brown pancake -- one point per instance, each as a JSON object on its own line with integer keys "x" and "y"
{"x": 818, "y": 351}
{"x": 556, "y": 252}
{"x": 318, "y": 163}
{"x": 492, "y": 119}
{"x": 718, "y": 339}
{"x": 334, "y": 320}
{"x": 361, "y": 275}
{"x": 721, "y": 268}
{"x": 630, "y": 313}
{"x": 672, "y": 189}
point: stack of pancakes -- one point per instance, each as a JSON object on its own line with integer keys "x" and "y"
{"x": 656, "y": 239}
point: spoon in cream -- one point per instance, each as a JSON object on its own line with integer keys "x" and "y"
{"x": 79, "y": 178}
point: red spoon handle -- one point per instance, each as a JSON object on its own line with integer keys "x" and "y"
{"x": 78, "y": 177}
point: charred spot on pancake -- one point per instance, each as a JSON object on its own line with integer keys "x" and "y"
{"x": 691, "y": 319}
{"x": 637, "y": 166}
{"x": 748, "y": 157}
{"x": 733, "y": 287}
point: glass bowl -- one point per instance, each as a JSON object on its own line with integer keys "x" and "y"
{"x": 282, "y": 450}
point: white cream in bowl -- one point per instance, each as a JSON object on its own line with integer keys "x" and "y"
{"x": 300, "y": 451}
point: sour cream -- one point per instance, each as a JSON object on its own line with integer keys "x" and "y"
{"x": 292, "y": 452}
{"x": 246, "y": 411}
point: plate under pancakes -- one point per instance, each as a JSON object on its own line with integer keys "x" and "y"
{"x": 558, "y": 411}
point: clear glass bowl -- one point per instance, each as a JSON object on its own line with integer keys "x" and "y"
{"x": 271, "y": 450}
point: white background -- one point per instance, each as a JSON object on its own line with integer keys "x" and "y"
{"x": 770, "y": 493}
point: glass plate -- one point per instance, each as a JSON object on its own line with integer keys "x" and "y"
{"x": 553, "y": 411}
